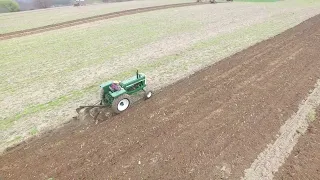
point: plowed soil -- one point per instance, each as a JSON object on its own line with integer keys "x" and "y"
{"x": 304, "y": 162}
{"x": 208, "y": 126}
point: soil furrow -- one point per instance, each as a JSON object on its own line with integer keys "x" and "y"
{"x": 90, "y": 19}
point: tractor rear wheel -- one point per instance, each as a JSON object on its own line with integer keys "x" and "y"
{"x": 121, "y": 103}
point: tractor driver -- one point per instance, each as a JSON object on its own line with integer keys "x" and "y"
{"x": 115, "y": 86}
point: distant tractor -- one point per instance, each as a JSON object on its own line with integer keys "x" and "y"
{"x": 79, "y": 3}
{"x": 211, "y": 1}
{"x": 117, "y": 94}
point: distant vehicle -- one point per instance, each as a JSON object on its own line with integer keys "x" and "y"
{"x": 79, "y": 3}
{"x": 211, "y": 1}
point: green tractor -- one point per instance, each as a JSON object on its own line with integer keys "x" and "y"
{"x": 119, "y": 98}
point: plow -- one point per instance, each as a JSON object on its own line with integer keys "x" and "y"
{"x": 116, "y": 97}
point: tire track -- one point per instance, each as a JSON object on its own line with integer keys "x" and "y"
{"x": 90, "y": 19}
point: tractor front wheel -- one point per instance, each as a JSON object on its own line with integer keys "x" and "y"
{"x": 121, "y": 103}
{"x": 147, "y": 94}
{"x": 102, "y": 97}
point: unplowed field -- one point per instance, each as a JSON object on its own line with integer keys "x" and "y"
{"x": 88, "y": 19}
{"x": 208, "y": 126}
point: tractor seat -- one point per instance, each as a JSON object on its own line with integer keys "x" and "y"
{"x": 112, "y": 90}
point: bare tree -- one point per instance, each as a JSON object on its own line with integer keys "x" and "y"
{"x": 43, "y": 3}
